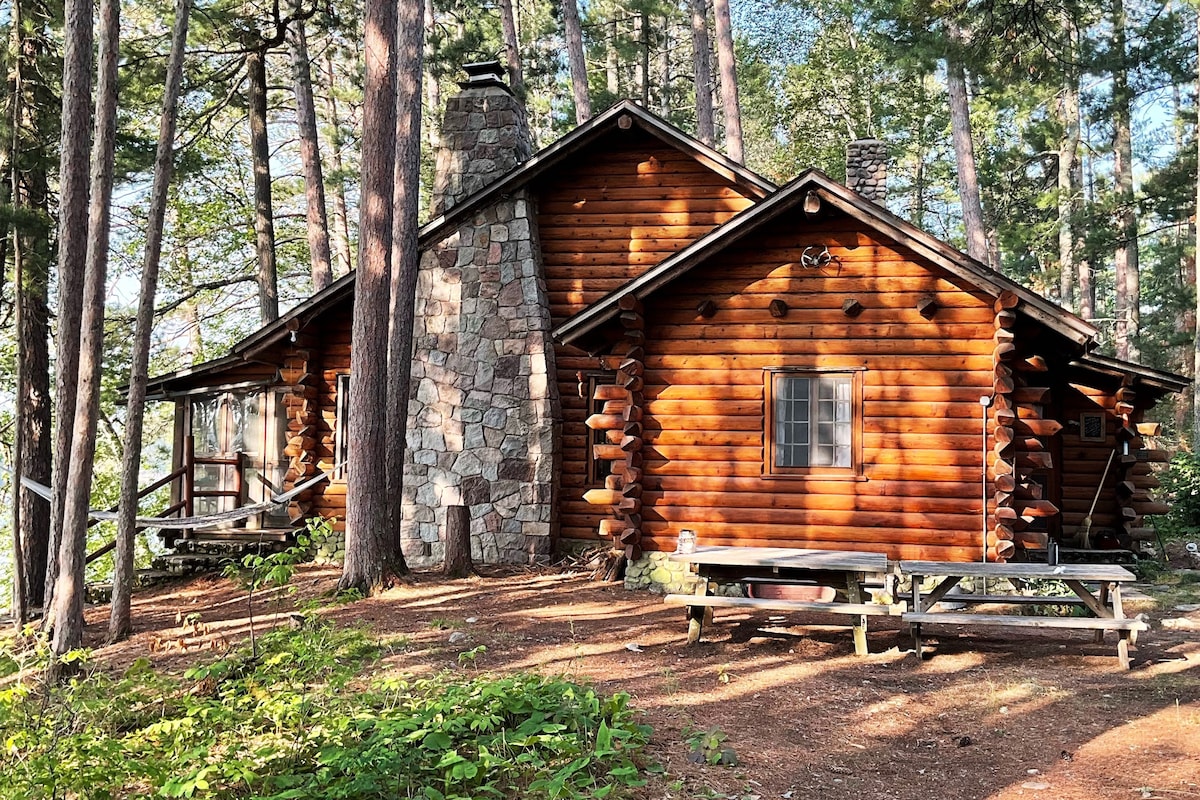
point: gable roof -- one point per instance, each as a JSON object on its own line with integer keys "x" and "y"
{"x": 621, "y": 116}
{"x": 1157, "y": 380}
{"x": 814, "y": 182}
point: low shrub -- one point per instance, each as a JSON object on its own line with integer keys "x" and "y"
{"x": 298, "y": 721}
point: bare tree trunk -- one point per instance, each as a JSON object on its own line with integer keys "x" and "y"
{"x": 578, "y": 67}
{"x": 512, "y": 48}
{"x": 119, "y": 622}
{"x": 72, "y": 259}
{"x": 367, "y": 505}
{"x": 264, "y": 216}
{"x": 642, "y": 70}
{"x": 964, "y": 156}
{"x": 1068, "y": 191}
{"x": 727, "y": 63}
{"x": 1196, "y": 338}
{"x": 664, "y": 69}
{"x": 340, "y": 235}
{"x": 457, "y": 560}
{"x": 612, "y": 75}
{"x": 702, "y": 67}
{"x": 20, "y": 598}
{"x": 406, "y": 256}
{"x": 433, "y": 91}
{"x": 30, "y": 103}
{"x": 310, "y": 159}
{"x": 68, "y": 600}
{"x": 1127, "y": 278}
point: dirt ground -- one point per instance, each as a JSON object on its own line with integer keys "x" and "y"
{"x": 992, "y": 713}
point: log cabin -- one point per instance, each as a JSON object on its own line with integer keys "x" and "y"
{"x": 628, "y": 335}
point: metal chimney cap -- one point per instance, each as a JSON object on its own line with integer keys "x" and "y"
{"x": 481, "y": 74}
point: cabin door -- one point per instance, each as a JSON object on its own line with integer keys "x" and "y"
{"x": 239, "y": 439}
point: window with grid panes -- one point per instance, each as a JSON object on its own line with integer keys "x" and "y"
{"x": 812, "y": 422}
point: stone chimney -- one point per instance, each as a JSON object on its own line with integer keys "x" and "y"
{"x": 866, "y": 169}
{"x": 483, "y": 414}
{"x": 484, "y": 135}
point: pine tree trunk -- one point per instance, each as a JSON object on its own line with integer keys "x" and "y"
{"x": 30, "y": 103}
{"x": 68, "y": 601}
{"x": 1125, "y": 261}
{"x": 264, "y": 216}
{"x": 310, "y": 159}
{"x": 575, "y": 61}
{"x": 1068, "y": 191}
{"x": 433, "y": 91}
{"x": 964, "y": 156}
{"x": 367, "y": 506}
{"x": 727, "y": 63}
{"x": 120, "y": 622}
{"x": 406, "y": 257}
{"x": 702, "y": 67}
{"x": 20, "y": 601}
{"x": 340, "y": 233}
{"x": 512, "y": 48}
{"x": 1196, "y": 338}
{"x": 457, "y": 560}
{"x": 72, "y": 260}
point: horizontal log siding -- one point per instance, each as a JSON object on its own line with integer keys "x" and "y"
{"x": 334, "y": 332}
{"x": 705, "y": 403}
{"x": 602, "y": 222}
{"x": 629, "y": 204}
{"x": 1083, "y": 462}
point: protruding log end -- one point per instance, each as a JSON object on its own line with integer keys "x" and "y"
{"x": 851, "y": 307}
{"x": 927, "y": 307}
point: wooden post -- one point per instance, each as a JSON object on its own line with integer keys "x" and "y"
{"x": 189, "y": 481}
{"x": 457, "y": 561}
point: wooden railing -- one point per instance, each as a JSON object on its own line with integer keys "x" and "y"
{"x": 171, "y": 509}
{"x": 185, "y": 506}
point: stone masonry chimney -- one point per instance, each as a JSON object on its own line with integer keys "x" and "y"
{"x": 866, "y": 169}
{"x": 483, "y": 428}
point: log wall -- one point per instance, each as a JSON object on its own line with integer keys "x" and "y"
{"x": 602, "y": 221}
{"x": 924, "y": 367}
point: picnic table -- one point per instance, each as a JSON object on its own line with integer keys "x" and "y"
{"x": 786, "y": 566}
{"x": 1104, "y": 607}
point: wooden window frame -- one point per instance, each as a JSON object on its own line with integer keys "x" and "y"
{"x": 854, "y": 472}
{"x": 341, "y": 444}
{"x": 1083, "y": 420}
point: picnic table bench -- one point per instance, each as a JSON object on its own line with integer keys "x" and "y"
{"x": 786, "y": 566}
{"x": 1105, "y": 608}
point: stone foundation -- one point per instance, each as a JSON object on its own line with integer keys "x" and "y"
{"x": 656, "y": 572}
{"x": 328, "y": 546}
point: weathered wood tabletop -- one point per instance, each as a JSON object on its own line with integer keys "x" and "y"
{"x": 785, "y": 558}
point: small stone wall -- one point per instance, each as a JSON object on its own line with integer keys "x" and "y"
{"x": 658, "y": 573}
{"x": 328, "y": 546}
{"x": 866, "y": 169}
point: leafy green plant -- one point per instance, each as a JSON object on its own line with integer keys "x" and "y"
{"x": 297, "y": 719}
{"x": 256, "y": 571}
{"x": 1181, "y": 483}
{"x": 708, "y": 746}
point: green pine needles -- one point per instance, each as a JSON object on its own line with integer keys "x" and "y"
{"x": 301, "y": 720}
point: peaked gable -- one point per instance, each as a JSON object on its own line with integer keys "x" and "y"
{"x": 810, "y": 190}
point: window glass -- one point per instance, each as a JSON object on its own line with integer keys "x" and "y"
{"x": 205, "y": 417}
{"x": 814, "y": 418}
